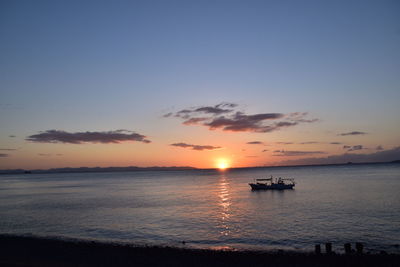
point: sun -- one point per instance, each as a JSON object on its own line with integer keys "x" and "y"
{"x": 222, "y": 164}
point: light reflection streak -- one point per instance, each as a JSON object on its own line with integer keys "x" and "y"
{"x": 224, "y": 203}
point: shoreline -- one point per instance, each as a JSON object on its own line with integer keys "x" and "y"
{"x": 72, "y": 170}
{"x": 38, "y": 251}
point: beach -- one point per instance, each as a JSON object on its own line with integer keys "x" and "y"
{"x": 34, "y": 251}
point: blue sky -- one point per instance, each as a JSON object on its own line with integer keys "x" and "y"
{"x": 107, "y": 65}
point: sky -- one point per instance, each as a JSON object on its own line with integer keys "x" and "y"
{"x": 198, "y": 83}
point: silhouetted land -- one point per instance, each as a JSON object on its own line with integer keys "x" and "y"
{"x": 156, "y": 168}
{"x": 97, "y": 169}
{"x": 32, "y": 251}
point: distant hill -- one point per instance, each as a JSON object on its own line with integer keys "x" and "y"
{"x": 389, "y": 155}
{"x": 173, "y": 168}
{"x": 97, "y": 169}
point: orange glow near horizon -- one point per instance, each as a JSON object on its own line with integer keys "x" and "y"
{"x": 222, "y": 164}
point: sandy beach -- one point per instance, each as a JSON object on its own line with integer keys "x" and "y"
{"x": 33, "y": 251}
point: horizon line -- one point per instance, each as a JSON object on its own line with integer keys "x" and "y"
{"x": 176, "y": 168}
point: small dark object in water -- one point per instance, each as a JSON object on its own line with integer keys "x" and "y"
{"x": 183, "y": 242}
{"x": 328, "y": 248}
{"x": 359, "y": 248}
{"x": 318, "y": 249}
{"x": 347, "y": 248}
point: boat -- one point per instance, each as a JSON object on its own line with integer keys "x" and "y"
{"x": 272, "y": 184}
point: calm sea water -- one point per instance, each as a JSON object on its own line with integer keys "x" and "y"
{"x": 210, "y": 209}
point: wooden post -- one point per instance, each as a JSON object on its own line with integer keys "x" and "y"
{"x": 328, "y": 248}
{"x": 359, "y": 248}
{"x": 318, "y": 249}
{"x": 347, "y": 248}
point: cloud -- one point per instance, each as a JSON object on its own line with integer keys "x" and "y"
{"x": 335, "y": 143}
{"x": 353, "y": 148}
{"x": 299, "y": 117}
{"x": 2, "y": 155}
{"x": 379, "y": 147}
{"x": 380, "y": 156}
{"x": 7, "y": 149}
{"x": 196, "y": 147}
{"x": 284, "y": 143}
{"x": 239, "y": 122}
{"x": 226, "y": 117}
{"x": 193, "y": 121}
{"x": 168, "y": 115}
{"x": 357, "y": 147}
{"x": 255, "y": 143}
{"x": 352, "y": 133}
{"x": 12, "y": 136}
{"x": 265, "y": 150}
{"x": 221, "y": 108}
{"x": 57, "y": 136}
{"x": 212, "y": 110}
{"x": 309, "y": 143}
{"x": 48, "y": 154}
{"x": 296, "y": 153}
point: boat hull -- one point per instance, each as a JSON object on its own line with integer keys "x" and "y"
{"x": 271, "y": 187}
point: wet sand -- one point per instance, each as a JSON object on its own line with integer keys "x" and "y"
{"x": 33, "y": 251}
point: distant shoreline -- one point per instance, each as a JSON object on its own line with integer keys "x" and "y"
{"x": 173, "y": 168}
{"x": 34, "y": 251}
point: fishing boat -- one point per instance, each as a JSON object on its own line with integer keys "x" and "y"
{"x": 272, "y": 184}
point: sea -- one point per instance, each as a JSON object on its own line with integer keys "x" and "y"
{"x": 210, "y": 208}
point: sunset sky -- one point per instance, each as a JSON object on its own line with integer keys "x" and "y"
{"x": 197, "y": 83}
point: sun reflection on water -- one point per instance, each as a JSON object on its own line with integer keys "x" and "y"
{"x": 224, "y": 203}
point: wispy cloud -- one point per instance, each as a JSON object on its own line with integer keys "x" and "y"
{"x": 226, "y": 117}
{"x": 352, "y": 133}
{"x": 335, "y": 143}
{"x": 2, "y": 155}
{"x": 44, "y": 155}
{"x": 196, "y": 147}
{"x": 255, "y": 143}
{"x": 7, "y": 149}
{"x": 296, "y": 153}
{"x": 357, "y": 147}
{"x": 353, "y": 148}
{"x": 48, "y": 154}
{"x": 213, "y": 110}
{"x": 299, "y": 143}
{"x": 265, "y": 150}
{"x": 57, "y": 136}
{"x": 379, "y": 147}
{"x": 193, "y": 121}
{"x": 284, "y": 143}
{"x": 169, "y": 114}
{"x": 240, "y": 122}
{"x": 12, "y": 136}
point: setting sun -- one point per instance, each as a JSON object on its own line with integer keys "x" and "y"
{"x": 222, "y": 164}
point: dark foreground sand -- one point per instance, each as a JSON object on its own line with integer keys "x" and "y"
{"x": 31, "y": 251}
